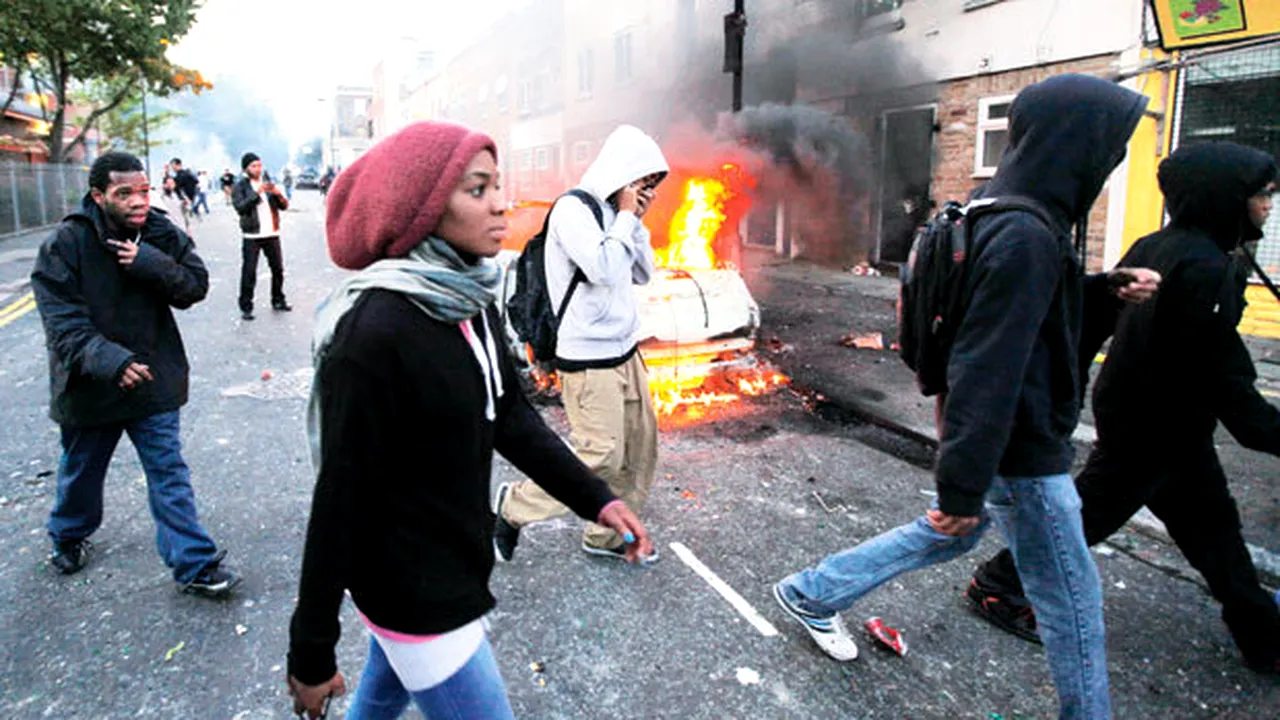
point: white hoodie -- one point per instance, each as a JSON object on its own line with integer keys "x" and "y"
{"x": 603, "y": 319}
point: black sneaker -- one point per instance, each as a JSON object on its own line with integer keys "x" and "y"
{"x": 246, "y": 315}
{"x": 281, "y": 306}
{"x": 1009, "y": 612}
{"x": 214, "y": 581}
{"x": 72, "y": 556}
{"x": 505, "y": 535}
{"x": 619, "y": 552}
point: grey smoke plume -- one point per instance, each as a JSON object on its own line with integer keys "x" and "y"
{"x": 812, "y": 144}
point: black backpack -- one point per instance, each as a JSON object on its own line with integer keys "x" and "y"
{"x": 530, "y": 307}
{"x": 931, "y": 296}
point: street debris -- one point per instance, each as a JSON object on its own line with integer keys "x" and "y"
{"x": 1105, "y": 550}
{"x": 296, "y": 384}
{"x": 240, "y": 629}
{"x": 840, "y": 507}
{"x": 687, "y": 494}
{"x": 747, "y": 676}
{"x": 864, "y": 269}
{"x": 886, "y": 636}
{"x": 774, "y": 345}
{"x": 865, "y": 341}
{"x": 538, "y": 667}
{"x": 174, "y": 650}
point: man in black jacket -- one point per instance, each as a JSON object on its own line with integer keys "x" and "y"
{"x": 259, "y": 203}
{"x": 104, "y": 283}
{"x": 1175, "y": 368}
{"x": 1013, "y": 398}
{"x": 187, "y": 182}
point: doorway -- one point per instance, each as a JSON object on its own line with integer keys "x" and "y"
{"x": 906, "y": 173}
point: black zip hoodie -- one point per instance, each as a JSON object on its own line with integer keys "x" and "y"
{"x": 1177, "y": 364}
{"x": 1014, "y": 394}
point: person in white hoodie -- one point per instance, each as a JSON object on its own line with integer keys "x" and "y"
{"x": 605, "y": 386}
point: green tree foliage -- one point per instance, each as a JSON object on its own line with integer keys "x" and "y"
{"x": 108, "y": 50}
{"x": 126, "y": 125}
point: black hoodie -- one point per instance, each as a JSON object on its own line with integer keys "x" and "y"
{"x": 100, "y": 315}
{"x": 1177, "y": 364}
{"x": 1014, "y": 383}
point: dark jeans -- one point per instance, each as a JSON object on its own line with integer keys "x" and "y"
{"x": 249, "y": 270}
{"x": 1183, "y": 484}
{"x": 86, "y": 453}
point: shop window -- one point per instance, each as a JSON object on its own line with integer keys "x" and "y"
{"x": 993, "y": 134}
{"x": 622, "y": 57}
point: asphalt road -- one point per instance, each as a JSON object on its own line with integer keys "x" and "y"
{"x": 753, "y": 496}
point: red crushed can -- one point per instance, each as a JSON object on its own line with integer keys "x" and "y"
{"x": 886, "y": 635}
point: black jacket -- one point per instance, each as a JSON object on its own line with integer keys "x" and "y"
{"x": 1177, "y": 364}
{"x": 187, "y": 183}
{"x": 1014, "y": 395}
{"x": 246, "y": 202}
{"x": 99, "y": 316}
{"x": 401, "y": 512}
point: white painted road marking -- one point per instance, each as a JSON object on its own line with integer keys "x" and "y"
{"x": 737, "y": 601}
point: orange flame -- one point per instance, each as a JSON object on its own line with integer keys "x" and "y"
{"x": 694, "y": 226}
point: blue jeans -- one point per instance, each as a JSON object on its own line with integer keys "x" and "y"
{"x": 475, "y": 692}
{"x": 1040, "y": 520}
{"x": 86, "y": 453}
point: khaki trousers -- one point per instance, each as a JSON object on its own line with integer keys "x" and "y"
{"x": 614, "y": 431}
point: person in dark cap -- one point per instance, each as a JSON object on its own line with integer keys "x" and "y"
{"x": 413, "y": 393}
{"x": 1155, "y": 447}
{"x": 259, "y": 203}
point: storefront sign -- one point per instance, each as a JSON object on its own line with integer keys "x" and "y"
{"x": 1197, "y": 23}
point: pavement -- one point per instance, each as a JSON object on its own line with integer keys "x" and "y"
{"x": 741, "y": 499}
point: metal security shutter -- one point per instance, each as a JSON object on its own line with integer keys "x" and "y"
{"x": 1235, "y": 96}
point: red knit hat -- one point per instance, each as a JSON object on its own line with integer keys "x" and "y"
{"x": 392, "y": 198}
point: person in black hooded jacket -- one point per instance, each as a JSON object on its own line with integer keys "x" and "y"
{"x": 1176, "y": 367}
{"x": 1013, "y": 398}
{"x": 104, "y": 284}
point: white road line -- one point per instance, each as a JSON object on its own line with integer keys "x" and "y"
{"x": 737, "y": 601}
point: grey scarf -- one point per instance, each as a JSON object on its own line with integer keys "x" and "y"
{"x": 432, "y": 276}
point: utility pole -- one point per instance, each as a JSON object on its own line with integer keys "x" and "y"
{"x": 735, "y": 33}
{"x": 146, "y": 138}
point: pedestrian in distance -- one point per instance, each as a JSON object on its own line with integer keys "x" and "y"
{"x": 326, "y": 181}
{"x": 105, "y": 283}
{"x": 1175, "y": 369}
{"x": 202, "y": 198}
{"x": 228, "y": 181}
{"x": 413, "y": 395}
{"x": 259, "y": 203}
{"x": 288, "y": 184}
{"x": 175, "y": 205}
{"x": 188, "y": 184}
{"x": 1013, "y": 399}
{"x": 592, "y": 264}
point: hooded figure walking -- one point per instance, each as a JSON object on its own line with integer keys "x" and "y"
{"x": 595, "y": 263}
{"x": 1175, "y": 368}
{"x": 1013, "y": 399}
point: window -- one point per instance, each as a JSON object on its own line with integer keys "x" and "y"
{"x": 543, "y": 158}
{"x": 522, "y": 102}
{"x": 581, "y": 152}
{"x": 585, "y": 71}
{"x": 993, "y": 134}
{"x": 879, "y": 16}
{"x": 871, "y": 8}
{"x": 622, "y": 57}
{"x": 526, "y": 160}
{"x": 500, "y": 93}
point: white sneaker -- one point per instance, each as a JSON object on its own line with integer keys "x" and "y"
{"x": 828, "y": 632}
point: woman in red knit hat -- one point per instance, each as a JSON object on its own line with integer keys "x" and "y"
{"x": 412, "y": 395}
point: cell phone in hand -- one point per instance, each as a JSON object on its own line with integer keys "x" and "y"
{"x": 1119, "y": 278}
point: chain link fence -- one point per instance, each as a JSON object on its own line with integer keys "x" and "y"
{"x": 35, "y": 195}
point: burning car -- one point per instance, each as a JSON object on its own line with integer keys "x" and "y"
{"x": 698, "y": 320}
